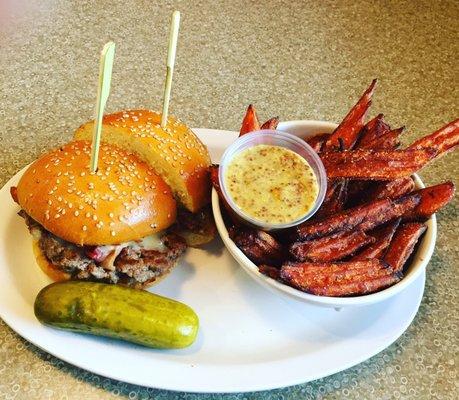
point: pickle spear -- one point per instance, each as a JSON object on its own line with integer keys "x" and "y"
{"x": 119, "y": 312}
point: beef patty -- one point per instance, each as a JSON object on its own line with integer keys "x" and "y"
{"x": 129, "y": 264}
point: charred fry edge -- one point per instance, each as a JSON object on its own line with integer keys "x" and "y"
{"x": 375, "y": 164}
{"x": 250, "y": 122}
{"x": 383, "y": 239}
{"x": 349, "y": 129}
{"x": 402, "y": 244}
{"x": 364, "y": 217}
{"x": 330, "y": 248}
{"x": 270, "y": 124}
{"x": 443, "y": 140}
{"x": 340, "y": 278}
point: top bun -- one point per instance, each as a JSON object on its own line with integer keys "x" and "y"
{"x": 174, "y": 152}
{"x": 125, "y": 200}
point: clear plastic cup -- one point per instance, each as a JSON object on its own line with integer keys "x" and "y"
{"x": 274, "y": 138}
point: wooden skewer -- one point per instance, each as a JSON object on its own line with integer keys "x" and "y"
{"x": 171, "y": 51}
{"x": 103, "y": 90}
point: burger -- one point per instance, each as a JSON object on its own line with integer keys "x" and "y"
{"x": 177, "y": 154}
{"x": 120, "y": 224}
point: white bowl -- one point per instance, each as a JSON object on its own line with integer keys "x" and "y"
{"x": 305, "y": 129}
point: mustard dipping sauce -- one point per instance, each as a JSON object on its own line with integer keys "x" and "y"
{"x": 271, "y": 184}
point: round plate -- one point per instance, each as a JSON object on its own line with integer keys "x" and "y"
{"x": 248, "y": 340}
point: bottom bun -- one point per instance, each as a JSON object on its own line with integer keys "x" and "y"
{"x": 60, "y": 276}
{"x": 48, "y": 268}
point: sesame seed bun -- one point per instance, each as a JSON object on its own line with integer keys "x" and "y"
{"x": 125, "y": 200}
{"x": 175, "y": 152}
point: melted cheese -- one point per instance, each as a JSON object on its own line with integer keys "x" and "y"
{"x": 152, "y": 242}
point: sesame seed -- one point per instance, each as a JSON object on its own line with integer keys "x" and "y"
{"x": 85, "y": 228}
{"x": 113, "y": 233}
{"x": 76, "y": 213}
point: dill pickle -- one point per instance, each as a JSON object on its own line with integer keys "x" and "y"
{"x": 118, "y": 312}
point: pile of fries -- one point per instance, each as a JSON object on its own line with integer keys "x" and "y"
{"x": 361, "y": 239}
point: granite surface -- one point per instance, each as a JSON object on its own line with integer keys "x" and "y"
{"x": 295, "y": 59}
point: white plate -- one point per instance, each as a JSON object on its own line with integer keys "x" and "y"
{"x": 419, "y": 261}
{"x": 248, "y": 339}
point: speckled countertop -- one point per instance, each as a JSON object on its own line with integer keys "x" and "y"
{"x": 296, "y": 59}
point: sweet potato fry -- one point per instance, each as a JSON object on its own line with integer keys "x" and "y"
{"x": 332, "y": 187}
{"x": 317, "y": 141}
{"x": 340, "y": 278}
{"x": 364, "y": 217}
{"x": 402, "y": 244}
{"x": 443, "y": 140}
{"x": 334, "y": 201}
{"x": 270, "y": 123}
{"x": 250, "y": 122}
{"x": 259, "y": 246}
{"x": 270, "y": 271}
{"x": 349, "y": 129}
{"x": 383, "y": 237}
{"x": 387, "y": 141}
{"x": 356, "y": 190}
{"x": 330, "y": 248}
{"x": 375, "y": 164}
{"x": 372, "y": 131}
{"x": 432, "y": 199}
{"x": 391, "y": 189}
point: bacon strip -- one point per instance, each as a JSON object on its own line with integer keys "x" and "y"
{"x": 383, "y": 238}
{"x": 250, "y": 122}
{"x": 443, "y": 140}
{"x": 349, "y": 129}
{"x": 340, "y": 278}
{"x": 375, "y": 164}
{"x": 330, "y": 248}
{"x": 364, "y": 217}
{"x": 402, "y": 245}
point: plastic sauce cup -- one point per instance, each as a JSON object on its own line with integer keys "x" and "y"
{"x": 281, "y": 139}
